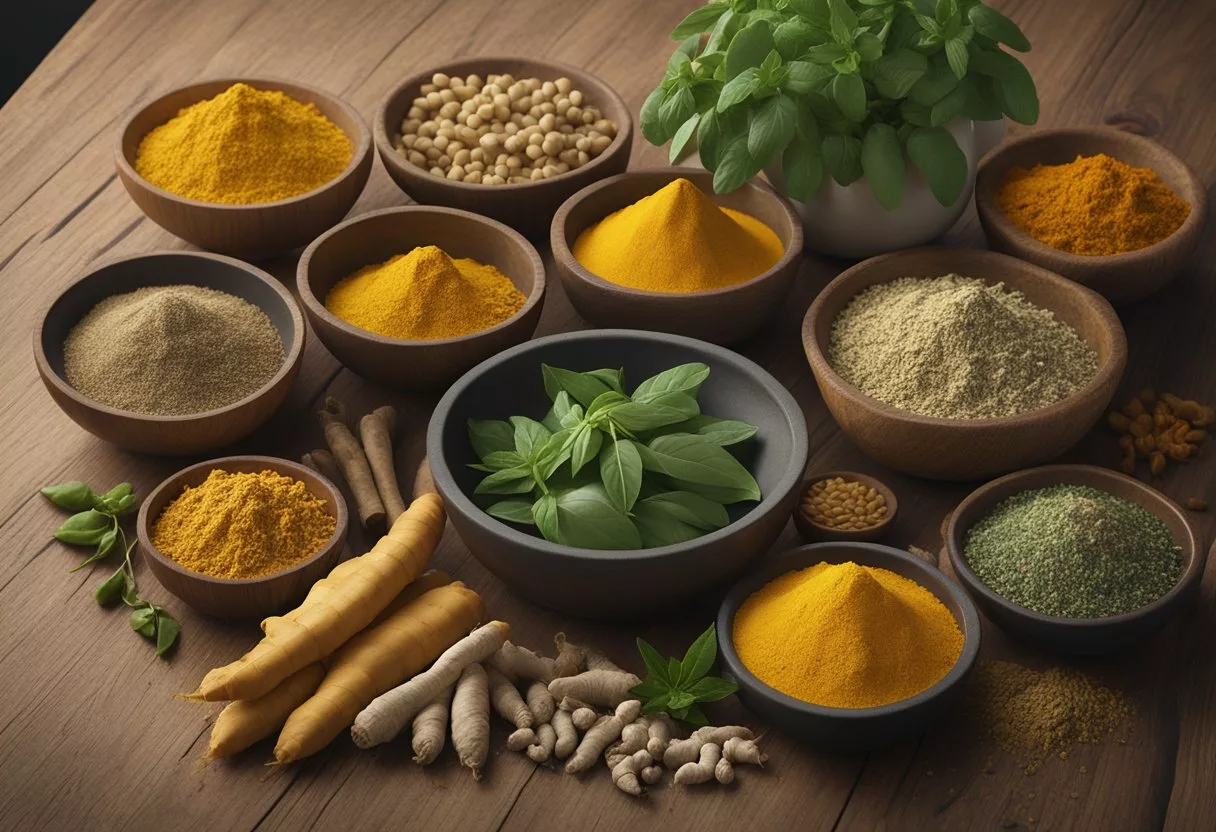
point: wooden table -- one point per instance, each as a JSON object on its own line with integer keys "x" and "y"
{"x": 89, "y": 735}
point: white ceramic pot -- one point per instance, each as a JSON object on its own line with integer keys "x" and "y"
{"x": 850, "y": 222}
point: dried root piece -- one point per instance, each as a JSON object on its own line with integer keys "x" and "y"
{"x": 652, "y": 775}
{"x": 376, "y": 433}
{"x": 546, "y": 740}
{"x": 702, "y": 771}
{"x": 567, "y": 736}
{"x": 584, "y": 718}
{"x": 424, "y": 483}
{"x": 517, "y": 662}
{"x": 601, "y": 735}
{"x": 569, "y": 704}
{"x": 471, "y": 718}
{"x": 724, "y": 772}
{"x": 356, "y": 470}
{"x": 660, "y": 730}
{"x": 520, "y": 739}
{"x": 540, "y": 702}
{"x": 606, "y": 688}
{"x": 614, "y": 755}
{"x": 740, "y": 750}
{"x": 680, "y": 752}
{"x": 507, "y": 702}
{"x": 570, "y": 657}
{"x": 430, "y": 728}
{"x": 625, "y": 773}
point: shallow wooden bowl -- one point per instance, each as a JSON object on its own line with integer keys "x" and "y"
{"x": 251, "y": 232}
{"x": 1076, "y": 635}
{"x": 1121, "y": 278}
{"x": 528, "y": 208}
{"x": 815, "y": 532}
{"x": 378, "y": 236}
{"x": 851, "y": 729}
{"x": 248, "y": 597}
{"x": 722, "y": 316}
{"x": 967, "y": 449}
{"x": 192, "y": 434}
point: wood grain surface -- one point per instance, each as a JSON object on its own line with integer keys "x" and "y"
{"x": 89, "y": 735}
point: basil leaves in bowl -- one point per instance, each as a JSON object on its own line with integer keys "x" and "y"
{"x": 635, "y": 472}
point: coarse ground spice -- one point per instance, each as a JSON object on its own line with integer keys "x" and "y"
{"x": 1074, "y": 551}
{"x": 957, "y": 348}
{"x": 1035, "y": 714}
{"x": 243, "y": 525}
{"x": 172, "y": 350}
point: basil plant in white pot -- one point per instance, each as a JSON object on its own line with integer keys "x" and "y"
{"x": 871, "y": 115}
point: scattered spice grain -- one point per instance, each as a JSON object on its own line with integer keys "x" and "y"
{"x": 1073, "y": 551}
{"x": 1160, "y": 429}
{"x": 172, "y": 350}
{"x": 1196, "y": 504}
{"x": 843, "y": 504}
{"x": 957, "y": 348}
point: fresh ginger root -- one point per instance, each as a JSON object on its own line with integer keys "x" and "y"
{"x": 625, "y": 773}
{"x": 584, "y": 718}
{"x": 660, "y": 730}
{"x": 517, "y": 662}
{"x": 740, "y": 750}
{"x": 546, "y": 740}
{"x": 605, "y": 731}
{"x": 570, "y": 657}
{"x": 681, "y": 752}
{"x": 569, "y": 704}
{"x": 724, "y": 772}
{"x": 567, "y": 736}
{"x": 540, "y": 702}
{"x": 430, "y": 728}
{"x": 702, "y": 771}
{"x": 603, "y": 687}
{"x": 520, "y": 739}
{"x": 507, "y": 702}
{"x": 635, "y": 735}
{"x": 471, "y": 718}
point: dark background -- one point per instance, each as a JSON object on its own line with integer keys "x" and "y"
{"x": 27, "y": 32}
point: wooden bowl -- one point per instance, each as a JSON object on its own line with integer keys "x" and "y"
{"x": 251, "y": 232}
{"x": 967, "y": 449}
{"x": 1121, "y": 278}
{"x": 722, "y": 316}
{"x": 1076, "y": 635}
{"x": 379, "y": 235}
{"x": 246, "y": 597}
{"x": 529, "y": 207}
{"x": 851, "y": 729}
{"x": 813, "y": 532}
{"x": 191, "y": 434}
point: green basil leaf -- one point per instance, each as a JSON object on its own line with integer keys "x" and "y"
{"x": 725, "y": 496}
{"x": 709, "y": 135}
{"x": 795, "y": 36}
{"x": 738, "y": 89}
{"x": 748, "y": 48}
{"x": 992, "y": 24}
{"x": 652, "y": 126}
{"x": 104, "y": 546}
{"x": 615, "y": 379}
{"x": 490, "y": 435}
{"x": 143, "y": 620}
{"x": 621, "y": 472}
{"x": 712, "y": 689}
{"x": 802, "y": 167}
{"x": 882, "y": 160}
{"x": 530, "y": 436}
{"x": 111, "y": 589}
{"x": 554, "y": 453}
{"x": 587, "y": 444}
{"x": 72, "y": 496}
{"x": 700, "y": 657}
{"x": 658, "y": 704}
{"x": 559, "y": 408}
{"x": 680, "y": 699}
{"x": 804, "y": 77}
{"x": 606, "y": 403}
{"x": 84, "y": 528}
{"x": 656, "y": 665}
{"x": 666, "y": 409}
{"x": 650, "y": 689}
{"x": 842, "y": 158}
{"x": 513, "y": 511}
{"x": 676, "y": 108}
{"x": 849, "y": 95}
{"x": 699, "y": 20}
{"x": 583, "y": 387}
{"x": 679, "y": 142}
{"x": 587, "y": 519}
{"x": 933, "y": 87}
{"x": 735, "y": 166}
{"x": 816, "y": 11}
{"x": 725, "y": 431}
{"x": 693, "y": 716}
{"x": 499, "y": 460}
{"x": 693, "y": 509}
{"x": 167, "y": 630}
{"x": 658, "y": 527}
{"x": 982, "y": 100}
{"x": 827, "y": 53}
{"x": 771, "y": 127}
{"x": 724, "y": 30}
{"x": 949, "y": 107}
{"x": 689, "y": 457}
{"x": 507, "y": 481}
{"x": 868, "y": 46}
{"x": 683, "y": 378}
{"x": 956, "y": 55}
{"x": 1017, "y": 94}
{"x": 897, "y": 72}
{"x": 937, "y": 155}
{"x": 544, "y": 514}
{"x": 123, "y": 493}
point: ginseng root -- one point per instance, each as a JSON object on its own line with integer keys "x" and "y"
{"x": 471, "y": 718}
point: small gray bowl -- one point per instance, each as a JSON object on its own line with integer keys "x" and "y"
{"x": 851, "y": 729}
{"x": 605, "y": 584}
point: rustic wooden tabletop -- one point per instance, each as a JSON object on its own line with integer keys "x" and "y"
{"x": 90, "y": 737}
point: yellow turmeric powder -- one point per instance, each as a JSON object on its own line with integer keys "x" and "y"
{"x": 1095, "y": 205}
{"x": 244, "y": 147}
{"x": 425, "y": 295}
{"x": 846, "y": 636}
{"x": 243, "y": 525}
{"x": 678, "y": 240}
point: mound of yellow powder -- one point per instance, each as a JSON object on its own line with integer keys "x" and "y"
{"x": 846, "y": 636}
{"x": 244, "y": 147}
{"x": 425, "y": 295}
{"x": 678, "y": 240}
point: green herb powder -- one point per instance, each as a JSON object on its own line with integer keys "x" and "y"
{"x": 1074, "y": 552}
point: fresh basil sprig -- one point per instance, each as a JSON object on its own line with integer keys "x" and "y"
{"x": 846, "y": 88}
{"x": 676, "y": 687}
{"x": 97, "y": 523}
{"x": 608, "y": 470}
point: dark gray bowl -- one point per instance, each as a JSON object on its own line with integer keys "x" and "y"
{"x": 851, "y": 729}
{"x": 618, "y": 584}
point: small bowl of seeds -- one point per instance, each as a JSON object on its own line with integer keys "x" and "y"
{"x": 844, "y": 505}
{"x": 509, "y": 138}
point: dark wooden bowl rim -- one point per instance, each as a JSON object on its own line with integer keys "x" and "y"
{"x": 784, "y": 401}
{"x": 1106, "y": 370}
{"x": 290, "y": 357}
{"x": 282, "y": 466}
{"x": 579, "y": 77}
{"x": 562, "y": 252}
{"x": 1190, "y": 548}
{"x": 360, "y": 143}
{"x": 807, "y": 556}
{"x": 1195, "y": 198}
{"x": 317, "y": 306}
{"x": 865, "y": 479}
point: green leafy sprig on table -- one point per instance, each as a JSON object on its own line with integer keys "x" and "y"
{"x": 847, "y": 87}
{"x": 97, "y": 523}
{"x": 607, "y": 470}
{"x": 676, "y": 687}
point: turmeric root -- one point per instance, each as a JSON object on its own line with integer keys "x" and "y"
{"x": 517, "y": 662}
{"x": 607, "y": 688}
{"x": 376, "y": 433}
{"x": 389, "y": 712}
{"x": 520, "y": 738}
{"x": 570, "y": 657}
{"x": 540, "y": 702}
{"x": 605, "y": 731}
{"x": 567, "y": 736}
{"x": 243, "y": 723}
{"x": 680, "y": 752}
{"x": 724, "y": 772}
{"x": 506, "y": 701}
{"x": 353, "y": 462}
{"x": 430, "y": 728}
{"x": 625, "y": 774}
{"x": 546, "y": 741}
{"x": 471, "y": 718}
{"x": 702, "y": 771}
{"x": 740, "y": 750}
{"x": 583, "y": 718}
